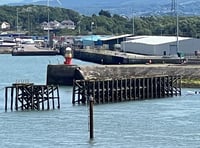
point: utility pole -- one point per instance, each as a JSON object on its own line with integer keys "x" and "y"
{"x": 133, "y": 22}
{"x": 174, "y": 9}
{"x": 133, "y": 25}
{"x": 17, "y": 20}
{"x": 177, "y": 27}
{"x": 48, "y": 34}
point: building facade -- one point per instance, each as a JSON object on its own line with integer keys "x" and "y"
{"x": 161, "y": 45}
{"x": 5, "y": 26}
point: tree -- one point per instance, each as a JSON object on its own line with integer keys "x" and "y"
{"x": 105, "y": 13}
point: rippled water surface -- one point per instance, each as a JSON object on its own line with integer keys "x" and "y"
{"x": 158, "y": 123}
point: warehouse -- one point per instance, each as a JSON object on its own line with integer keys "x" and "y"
{"x": 161, "y": 45}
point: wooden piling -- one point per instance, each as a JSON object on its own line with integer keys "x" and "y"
{"x": 91, "y": 118}
{"x": 126, "y": 89}
{"x": 6, "y": 99}
{"x": 58, "y": 95}
{"x": 29, "y": 96}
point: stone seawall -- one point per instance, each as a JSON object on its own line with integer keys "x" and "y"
{"x": 61, "y": 74}
{"x": 64, "y": 74}
{"x": 186, "y": 71}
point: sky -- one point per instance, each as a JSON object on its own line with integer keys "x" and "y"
{"x": 2, "y": 2}
{"x": 9, "y": 1}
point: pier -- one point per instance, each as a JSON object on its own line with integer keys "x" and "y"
{"x": 126, "y": 89}
{"x": 27, "y": 96}
{"x": 65, "y": 74}
{"x": 31, "y": 50}
{"x": 101, "y": 56}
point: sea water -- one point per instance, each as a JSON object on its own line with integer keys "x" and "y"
{"x": 156, "y": 123}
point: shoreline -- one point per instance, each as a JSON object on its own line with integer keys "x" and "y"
{"x": 190, "y": 83}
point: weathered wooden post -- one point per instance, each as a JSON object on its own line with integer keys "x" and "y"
{"x": 6, "y": 99}
{"x": 91, "y": 100}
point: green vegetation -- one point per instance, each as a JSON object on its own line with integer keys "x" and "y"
{"x": 31, "y": 16}
{"x": 193, "y": 83}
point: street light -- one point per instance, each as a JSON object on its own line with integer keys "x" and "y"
{"x": 92, "y": 23}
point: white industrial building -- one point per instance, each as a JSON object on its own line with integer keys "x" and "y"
{"x": 161, "y": 45}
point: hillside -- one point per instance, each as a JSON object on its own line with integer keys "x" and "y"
{"x": 29, "y": 18}
{"x": 139, "y": 7}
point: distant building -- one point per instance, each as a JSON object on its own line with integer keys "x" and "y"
{"x": 55, "y": 25}
{"x": 113, "y": 42}
{"x": 68, "y": 24}
{"x": 101, "y": 41}
{"x": 5, "y": 26}
{"x": 161, "y": 45}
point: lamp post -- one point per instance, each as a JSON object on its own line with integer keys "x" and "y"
{"x": 92, "y": 23}
{"x": 91, "y": 26}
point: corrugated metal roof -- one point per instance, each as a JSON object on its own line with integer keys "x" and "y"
{"x": 116, "y": 37}
{"x": 93, "y": 37}
{"x": 155, "y": 40}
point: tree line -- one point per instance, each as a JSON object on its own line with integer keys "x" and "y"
{"x": 29, "y": 17}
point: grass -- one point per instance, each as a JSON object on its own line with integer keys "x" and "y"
{"x": 191, "y": 83}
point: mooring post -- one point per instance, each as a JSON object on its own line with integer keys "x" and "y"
{"x": 91, "y": 100}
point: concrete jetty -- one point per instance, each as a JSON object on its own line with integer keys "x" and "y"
{"x": 115, "y": 57}
{"x": 5, "y": 50}
{"x": 32, "y": 50}
{"x": 62, "y": 74}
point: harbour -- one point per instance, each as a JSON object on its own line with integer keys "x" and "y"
{"x": 168, "y": 122}
{"x": 136, "y": 95}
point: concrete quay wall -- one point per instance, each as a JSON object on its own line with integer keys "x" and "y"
{"x": 65, "y": 74}
{"x": 112, "y": 71}
{"x": 61, "y": 74}
{"x": 115, "y": 57}
{"x": 96, "y": 56}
